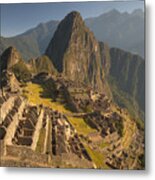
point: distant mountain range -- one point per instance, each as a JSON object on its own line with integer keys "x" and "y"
{"x": 33, "y": 42}
{"x": 122, "y": 30}
{"x": 75, "y": 53}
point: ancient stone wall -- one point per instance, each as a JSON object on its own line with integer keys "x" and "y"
{"x": 12, "y": 128}
{"x": 71, "y": 160}
{"x": 25, "y": 153}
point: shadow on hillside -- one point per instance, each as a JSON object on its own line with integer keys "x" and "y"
{"x": 48, "y": 86}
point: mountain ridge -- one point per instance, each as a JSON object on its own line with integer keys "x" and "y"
{"x": 31, "y": 47}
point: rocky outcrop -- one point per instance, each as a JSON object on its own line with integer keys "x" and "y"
{"x": 13, "y": 68}
{"x": 41, "y": 64}
{"x": 75, "y": 52}
{"x": 9, "y": 58}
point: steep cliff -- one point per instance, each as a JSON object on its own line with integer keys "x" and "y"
{"x": 76, "y": 53}
{"x": 127, "y": 77}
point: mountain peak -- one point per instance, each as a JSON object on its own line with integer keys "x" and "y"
{"x": 114, "y": 12}
{"x": 75, "y": 52}
{"x": 73, "y": 19}
{"x": 9, "y": 58}
{"x": 74, "y": 14}
{"x": 11, "y": 50}
{"x": 72, "y": 23}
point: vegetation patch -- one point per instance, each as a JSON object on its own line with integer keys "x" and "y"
{"x": 103, "y": 144}
{"x": 81, "y": 126}
{"x": 125, "y": 101}
{"x": 34, "y": 91}
{"x": 40, "y": 143}
{"x": 21, "y": 72}
{"x": 97, "y": 157}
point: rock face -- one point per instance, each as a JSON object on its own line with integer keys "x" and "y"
{"x": 9, "y": 58}
{"x": 105, "y": 57}
{"x": 75, "y": 52}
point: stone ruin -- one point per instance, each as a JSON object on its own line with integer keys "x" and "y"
{"x": 8, "y": 119}
{"x": 26, "y": 126}
{"x": 20, "y": 131}
{"x": 119, "y": 157}
{"x": 85, "y": 102}
{"x": 65, "y": 138}
{"x": 106, "y": 125}
{"x": 21, "y": 128}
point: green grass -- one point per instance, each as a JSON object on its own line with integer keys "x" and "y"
{"x": 33, "y": 93}
{"x": 97, "y": 157}
{"x": 21, "y": 71}
{"x": 81, "y": 126}
{"x": 48, "y": 145}
{"x": 103, "y": 144}
{"x": 40, "y": 143}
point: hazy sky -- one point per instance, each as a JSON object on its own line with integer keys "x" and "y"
{"x": 17, "y": 18}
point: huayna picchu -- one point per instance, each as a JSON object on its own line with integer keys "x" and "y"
{"x": 79, "y": 105}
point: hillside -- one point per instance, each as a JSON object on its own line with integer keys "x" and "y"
{"x": 125, "y": 73}
{"x": 33, "y": 42}
{"x": 41, "y": 64}
{"x": 128, "y": 71}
